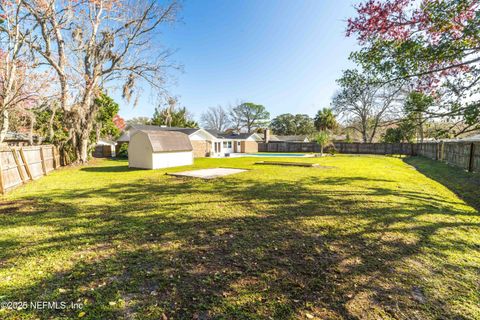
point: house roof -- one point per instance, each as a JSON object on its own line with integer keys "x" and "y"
{"x": 472, "y": 138}
{"x": 339, "y": 137}
{"x": 18, "y": 136}
{"x": 167, "y": 141}
{"x": 292, "y": 138}
{"x": 229, "y": 135}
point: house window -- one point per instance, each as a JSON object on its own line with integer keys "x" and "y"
{"x": 238, "y": 143}
{"x": 224, "y": 144}
{"x": 229, "y": 144}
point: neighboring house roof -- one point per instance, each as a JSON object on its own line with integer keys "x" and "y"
{"x": 298, "y": 138}
{"x": 472, "y": 138}
{"x": 273, "y": 138}
{"x": 105, "y": 142}
{"x": 167, "y": 141}
{"x": 340, "y": 137}
{"x": 237, "y": 136}
{"x": 18, "y": 136}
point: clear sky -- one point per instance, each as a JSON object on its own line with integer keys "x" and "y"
{"x": 284, "y": 54}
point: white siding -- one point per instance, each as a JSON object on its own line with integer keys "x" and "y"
{"x": 140, "y": 152}
{"x": 172, "y": 159}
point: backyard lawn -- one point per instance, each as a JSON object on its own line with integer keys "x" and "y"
{"x": 364, "y": 237}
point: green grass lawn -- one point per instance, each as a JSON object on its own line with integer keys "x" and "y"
{"x": 369, "y": 237}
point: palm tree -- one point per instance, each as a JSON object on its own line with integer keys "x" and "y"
{"x": 322, "y": 138}
{"x": 325, "y": 120}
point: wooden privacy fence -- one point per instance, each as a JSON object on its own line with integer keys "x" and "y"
{"x": 465, "y": 155}
{"x": 18, "y": 165}
{"x": 376, "y": 148}
{"x": 365, "y": 148}
{"x": 462, "y": 154}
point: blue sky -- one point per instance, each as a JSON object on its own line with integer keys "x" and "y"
{"x": 284, "y": 54}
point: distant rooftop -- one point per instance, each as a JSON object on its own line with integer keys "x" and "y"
{"x": 473, "y": 138}
{"x": 291, "y": 138}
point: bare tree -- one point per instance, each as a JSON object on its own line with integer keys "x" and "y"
{"x": 91, "y": 44}
{"x": 23, "y": 85}
{"x": 215, "y": 118}
{"x": 16, "y": 76}
{"x": 367, "y": 103}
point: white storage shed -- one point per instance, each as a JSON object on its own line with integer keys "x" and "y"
{"x": 159, "y": 149}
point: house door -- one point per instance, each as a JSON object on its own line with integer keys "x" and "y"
{"x": 217, "y": 147}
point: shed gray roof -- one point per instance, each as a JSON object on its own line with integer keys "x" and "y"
{"x": 167, "y": 141}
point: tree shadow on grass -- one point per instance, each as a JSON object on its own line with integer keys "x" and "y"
{"x": 237, "y": 248}
{"x": 123, "y": 168}
{"x": 465, "y": 184}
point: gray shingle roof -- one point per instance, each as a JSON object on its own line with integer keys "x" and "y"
{"x": 298, "y": 138}
{"x": 224, "y": 135}
{"x": 18, "y": 136}
{"x": 167, "y": 141}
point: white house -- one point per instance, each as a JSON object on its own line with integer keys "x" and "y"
{"x": 159, "y": 149}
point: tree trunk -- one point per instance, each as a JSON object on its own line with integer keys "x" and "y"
{"x": 51, "y": 132}
{"x": 5, "y": 124}
{"x": 30, "y": 133}
{"x": 321, "y": 150}
{"x": 84, "y": 150}
{"x": 364, "y": 136}
{"x": 420, "y": 128}
{"x": 82, "y": 133}
{"x": 364, "y": 130}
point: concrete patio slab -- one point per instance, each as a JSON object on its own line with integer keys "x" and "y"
{"x": 207, "y": 173}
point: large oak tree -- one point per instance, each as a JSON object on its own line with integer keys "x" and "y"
{"x": 95, "y": 44}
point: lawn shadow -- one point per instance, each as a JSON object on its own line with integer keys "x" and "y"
{"x": 464, "y": 184}
{"x": 280, "y": 249}
{"x": 123, "y": 168}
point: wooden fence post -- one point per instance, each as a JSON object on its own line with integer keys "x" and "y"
{"x": 2, "y": 187}
{"x": 25, "y": 163}
{"x": 42, "y": 157}
{"x": 56, "y": 154}
{"x": 472, "y": 154}
{"x": 19, "y": 167}
{"x": 54, "y": 159}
